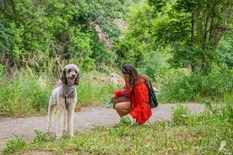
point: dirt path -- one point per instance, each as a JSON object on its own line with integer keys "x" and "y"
{"x": 83, "y": 121}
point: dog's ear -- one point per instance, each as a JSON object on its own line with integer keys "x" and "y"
{"x": 77, "y": 79}
{"x": 63, "y": 77}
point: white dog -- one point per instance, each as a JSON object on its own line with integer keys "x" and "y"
{"x": 64, "y": 98}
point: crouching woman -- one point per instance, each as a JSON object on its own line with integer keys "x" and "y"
{"x": 131, "y": 103}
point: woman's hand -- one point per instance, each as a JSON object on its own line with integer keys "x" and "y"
{"x": 114, "y": 97}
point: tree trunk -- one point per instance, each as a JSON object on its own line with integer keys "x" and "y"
{"x": 193, "y": 27}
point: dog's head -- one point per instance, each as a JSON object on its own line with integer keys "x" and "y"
{"x": 70, "y": 75}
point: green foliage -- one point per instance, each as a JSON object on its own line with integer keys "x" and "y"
{"x": 190, "y": 56}
{"x": 101, "y": 54}
{"x": 14, "y": 145}
{"x": 103, "y": 13}
{"x": 42, "y": 138}
{"x": 134, "y": 44}
{"x": 225, "y": 49}
{"x": 158, "y": 4}
{"x": 190, "y": 28}
{"x": 137, "y": 46}
{"x": 180, "y": 115}
{"x": 6, "y": 39}
{"x": 1, "y": 70}
{"x": 63, "y": 29}
{"x": 177, "y": 30}
{"x": 154, "y": 65}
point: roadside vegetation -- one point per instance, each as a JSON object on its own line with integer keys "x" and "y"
{"x": 184, "y": 47}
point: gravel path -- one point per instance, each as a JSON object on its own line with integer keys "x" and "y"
{"x": 83, "y": 120}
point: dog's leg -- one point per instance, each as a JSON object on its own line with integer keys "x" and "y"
{"x": 60, "y": 122}
{"x": 70, "y": 120}
{"x": 65, "y": 121}
{"x": 51, "y": 111}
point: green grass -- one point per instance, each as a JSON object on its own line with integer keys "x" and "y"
{"x": 24, "y": 94}
{"x": 208, "y": 133}
{"x": 184, "y": 87}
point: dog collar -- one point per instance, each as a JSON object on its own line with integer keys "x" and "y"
{"x": 67, "y": 90}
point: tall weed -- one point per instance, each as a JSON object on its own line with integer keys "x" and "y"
{"x": 180, "y": 115}
{"x": 25, "y": 93}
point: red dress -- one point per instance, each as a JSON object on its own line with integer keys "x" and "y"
{"x": 141, "y": 110}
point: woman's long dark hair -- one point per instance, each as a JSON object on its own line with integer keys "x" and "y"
{"x": 134, "y": 76}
